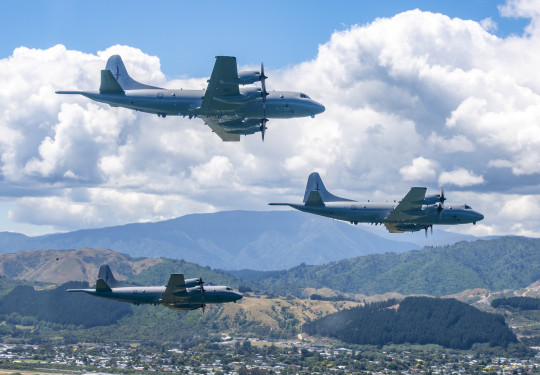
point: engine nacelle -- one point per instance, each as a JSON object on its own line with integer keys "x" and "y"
{"x": 248, "y": 77}
{"x": 246, "y": 131}
{"x": 432, "y": 199}
{"x": 190, "y": 283}
{"x": 240, "y": 124}
{"x": 245, "y": 97}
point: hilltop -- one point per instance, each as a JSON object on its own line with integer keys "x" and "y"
{"x": 60, "y": 266}
{"x": 417, "y": 320}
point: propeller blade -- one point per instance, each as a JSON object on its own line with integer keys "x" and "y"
{"x": 263, "y": 127}
{"x": 441, "y": 196}
{"x": 264, "y": 93}
{"x": 431, "y": 226}
{"x": 202, "y": 299}
{"x": 425, "y": 229}
{"x": 439, "y": 211}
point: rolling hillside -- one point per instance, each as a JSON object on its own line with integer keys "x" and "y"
{"x": 504, "y": 263}
{"x": 60, "y": 266}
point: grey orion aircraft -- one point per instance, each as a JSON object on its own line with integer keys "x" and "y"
{"x": 226, "y": 108}
{"x": 179, "y": 294}
{"x": 414, "y": 212}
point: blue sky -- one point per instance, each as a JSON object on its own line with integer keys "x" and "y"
{"x": 447, "y": 95}
{"x": 186, "y": 35}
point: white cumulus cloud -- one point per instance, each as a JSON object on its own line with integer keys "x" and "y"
{"x": 407, "y": 98}
{"x": 421, "y": 169}
{"x": 460, "y": 177}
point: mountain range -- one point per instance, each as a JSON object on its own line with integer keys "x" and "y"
{"x": 495, "y": 265}
{"x": 262, "y": 240}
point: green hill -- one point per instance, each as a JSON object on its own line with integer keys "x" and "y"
{"x": 503, "y": 263}
{"x": 416, "y": 320}
{"x": 58, "y": 306}
{"x": 159, "y": 274}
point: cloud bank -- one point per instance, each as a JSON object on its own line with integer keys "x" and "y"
{"x": 416, "y": 99}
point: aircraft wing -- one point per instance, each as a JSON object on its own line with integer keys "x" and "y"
{"x": 392, "y": 228}
{"x": 400, "y": 228}
{"x": 213, "y": 123}
{"x": 176, "y": 285}
{"x": 409, "y": 208}
{"x": 222, "y": 83}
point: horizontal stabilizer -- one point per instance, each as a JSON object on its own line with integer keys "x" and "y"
{"x": 101, "y": 286}
{"x": 70, "y": 92}
{"x": 314, "y": 199}
{"x": 109, "y": 84}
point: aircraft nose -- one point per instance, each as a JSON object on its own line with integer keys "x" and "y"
{"x": 238, "y": 296}
{"x": 319, "y": 108}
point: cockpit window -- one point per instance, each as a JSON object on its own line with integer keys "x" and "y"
{"x": 467, "y": 207}
{"x": 302, "y": 95}
{"x": 228, "y": 288}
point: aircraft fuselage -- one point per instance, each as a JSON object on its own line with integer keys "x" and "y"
{"x": 376, "y": 213}
{"x": 279, "y": 104}
{"x": 153, "y": 295}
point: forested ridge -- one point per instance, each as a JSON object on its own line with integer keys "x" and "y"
{"x": 503, "y": 263}
{"x": 521, "y": 303}
{"x": 418, "y": 320}
{"x": 58, "y": 306}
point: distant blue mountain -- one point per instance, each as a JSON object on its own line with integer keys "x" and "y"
{"x": 262, "y": 240}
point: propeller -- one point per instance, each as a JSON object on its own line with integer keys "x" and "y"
{"x": 263, "y": 127}
{"x": 441, "y": 196}
{"x": 439, "y": 210}
{"x": 264, "y": 93}
{"x": 202, "y": 295}
{"x": 440, "y": 204}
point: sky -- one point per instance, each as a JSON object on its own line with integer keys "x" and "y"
{"x": 417, "y": 93}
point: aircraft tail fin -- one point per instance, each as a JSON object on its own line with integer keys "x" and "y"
{"x": 109, "y": 84}
{"x": 101, "y": 286}
{"x": 314, "y": 199}
{"x": 315, "y": 183}
{"x": 106, "y": 277}
{"x": 118, "y": 71}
